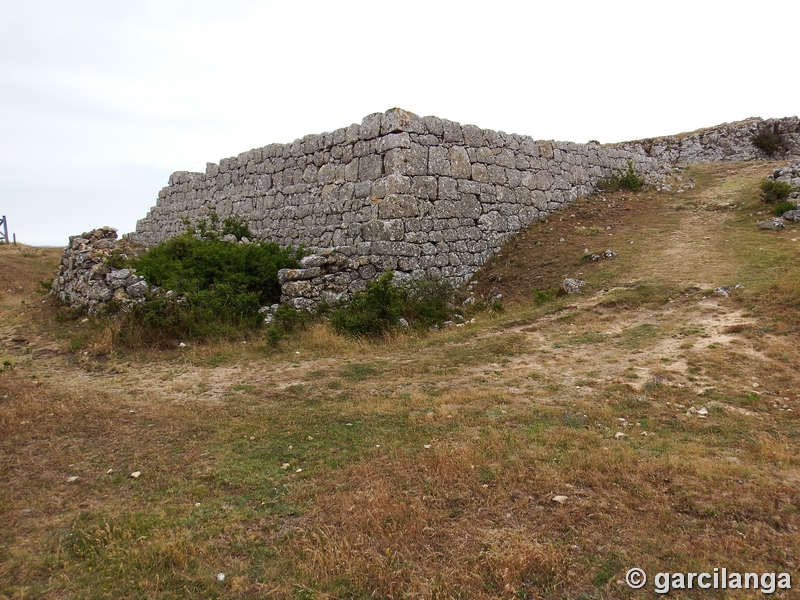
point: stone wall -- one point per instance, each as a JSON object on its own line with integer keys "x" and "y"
{"x": 86, "y": 280}
{"x": 727, "y": 142}
{"x": 418, "y": 195}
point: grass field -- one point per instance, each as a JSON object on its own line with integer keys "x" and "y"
{"x": 540, "y": 453}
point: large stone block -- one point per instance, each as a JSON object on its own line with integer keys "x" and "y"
{"x": 398, "y": 184}
{"x": 438, "y": 161}
{"x": 473, "y": 136}
{"x": 448, "y": 189}
{"x": 424, "y": 186}
{"x": 469, "y": 207}
{"x": 393, "y": 140}
{"x": 370, "y": 168}
{"x": 485, "y": 156}
{"x": 396, "y": 206}
{"x": 396, "y": 120}
{"x": 452, "y": 132}
{"x": 497, "y": 174}
{"x": 460, "y": 166}
{"x": 480, "y": 173}
{"x": 407, "y": 161}
{"x": 370, "y": 127}
{"x": 434, "y": 126}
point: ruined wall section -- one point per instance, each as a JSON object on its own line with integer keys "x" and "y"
{"x": 419, "y": 195}
{"x": 730, "y": 142}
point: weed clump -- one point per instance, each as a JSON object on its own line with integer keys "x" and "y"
{"x": 775, "y": 191}
{"x": 629, "y": 181}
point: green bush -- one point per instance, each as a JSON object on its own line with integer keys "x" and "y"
{"x": 423, "y": 303}
{"x": 186, "y": 264}
{"x": 428, "y": 302}
{"x": 222, "y": 312}
{"x": 218, "y": 286}
{"x": 775, "y": 191}
{"x": 782, "y": 207}
{"x": 373, "y": 311}
{"x": 622, "y": 181}
{"x": 287, "y": 320}
{"x": 767, "y": 141}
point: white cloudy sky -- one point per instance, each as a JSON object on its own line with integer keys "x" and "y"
{"x": 101, "y": 100}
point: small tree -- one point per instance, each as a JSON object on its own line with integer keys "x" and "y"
{"x": 767, "y": 140}
{"x": 775, "y": 191}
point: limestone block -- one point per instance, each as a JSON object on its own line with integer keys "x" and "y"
{"x": 452, "y": 132}
{"x": 426, "y": 140}
{"x": 438, "y": 161}
{"x": 473, "y": 136}
{"x": 513, "y": 178}
{"x": 310, "y": 173}
{"x": 370, "y": 168}
{"x": 480, "y": 173}
{"x": 493, "y": 221}
{"x": 373, "y": 231}
{"x": 407, "y": 161}
{"x": 466, "y": 186}
{"x": 546, "y": 149}
{"x": 313, "y": 260}
{"x": 424, "y": 186}
{"x": 347, "y": 153}
{"x": 136, "y": 290}
{"x": 415, "y": 237}
{"x": 506, "y": 158}
{"x": 296, "y": 289}
{"x": 434, "y": 126}
{"x": 362, "y": 189}
{"x": 396, "y": 120}
{"x": 370, "y": 127}
{"x": 448, "y": 189}
{"x": 444, "y": 209}
{"x": 351, "y": 171}
{"x": 460, "y": 166}
{"x": 362, "y": 148}
{"x": 367, "y": 272}
{"x": 485, "y": 156}
{"x": 326, "y": 173}
{"x": 393, "y": 140}
{"x": 497, "y": 174}
{"x": 398, "y": 184}
{"x": 379, "y": 189}
{"x": 398, "y": 206}
{"x": 543, "y": 180}
{"x": 469, "y": 207}
{"x": 561, "y": 183}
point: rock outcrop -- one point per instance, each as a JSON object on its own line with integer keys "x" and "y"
{"x": 732, "y": 142}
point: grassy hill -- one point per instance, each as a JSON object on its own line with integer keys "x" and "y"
{"x": 649, "y": 422}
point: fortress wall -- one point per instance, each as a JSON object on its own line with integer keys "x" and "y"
{"x": 416, "y": 195}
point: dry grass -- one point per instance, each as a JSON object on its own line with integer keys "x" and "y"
{"x": 426, "y": 467}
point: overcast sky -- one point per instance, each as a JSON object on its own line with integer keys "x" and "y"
{"x": 101, "y": 100}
